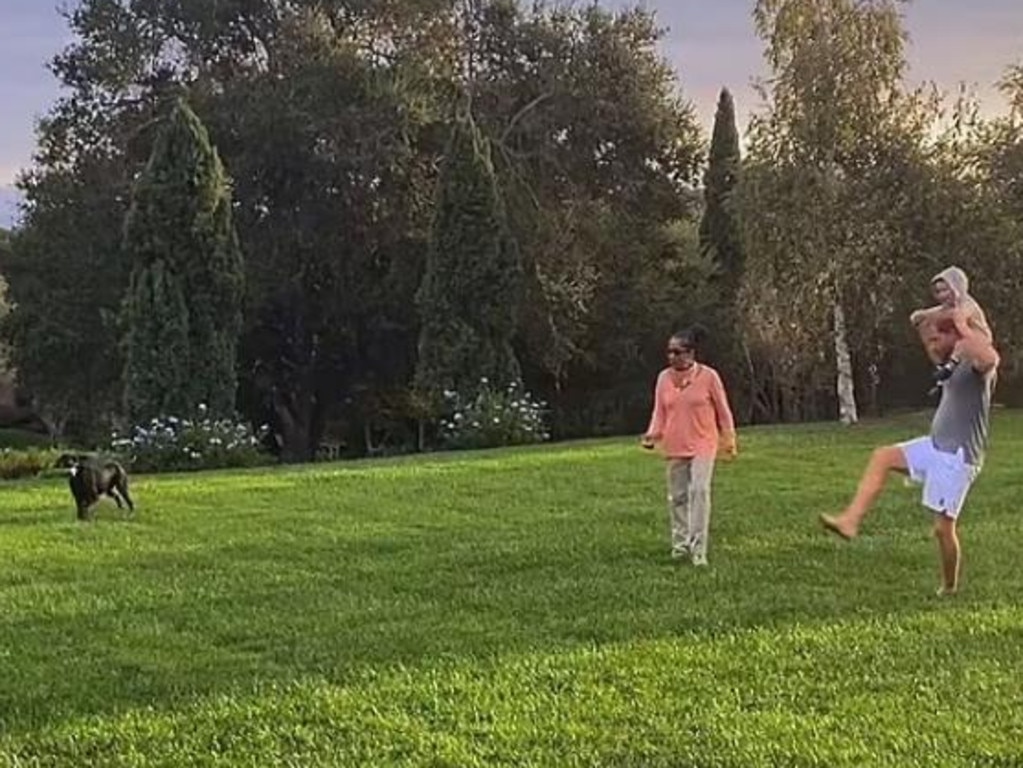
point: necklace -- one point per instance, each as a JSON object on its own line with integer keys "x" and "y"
{"x": 682, "y": 379}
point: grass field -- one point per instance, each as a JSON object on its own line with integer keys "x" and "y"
{"x": 512, "y": 608}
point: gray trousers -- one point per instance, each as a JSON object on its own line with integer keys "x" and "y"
{"x": 689, "y": 503}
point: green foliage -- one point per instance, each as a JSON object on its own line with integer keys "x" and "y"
{"x": 173, "y": 444}
{"x": 719, "y": 231}
{"x": 493, "y": 416}
{"x": 65, "y": 281}
{"x": 334, "y": 119}
{"x": 334, "y": 150}
{"x": 511, "y": 608}
{"x": 180, "y": 229}
{"x": 598, "y": 158}
{"x": 156, "y": 374}
{"x": 721, "y": 242}
{"x": 17, "y": 463}
{"x": 820, "y": 204}
{"x": 470, "y": 293}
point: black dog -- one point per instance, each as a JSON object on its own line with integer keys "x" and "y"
{"x": 90, "y": 478}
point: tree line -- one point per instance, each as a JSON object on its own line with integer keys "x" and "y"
{"x": 325, "y": 214}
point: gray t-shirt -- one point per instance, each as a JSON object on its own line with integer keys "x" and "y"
{"x": 964, "y": 411}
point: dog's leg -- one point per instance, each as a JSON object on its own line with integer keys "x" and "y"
{"x": 122, "y": 487}
{"x": 112, "y": 493}
{"x": 83, "y": 511}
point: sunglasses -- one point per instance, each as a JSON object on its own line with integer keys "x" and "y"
{"x": 672, "y": 351}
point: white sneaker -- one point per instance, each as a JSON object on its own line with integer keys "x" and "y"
{"x": 699, "y": 559}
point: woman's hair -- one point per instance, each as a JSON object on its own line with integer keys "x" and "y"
{"x": 693, "y": 336}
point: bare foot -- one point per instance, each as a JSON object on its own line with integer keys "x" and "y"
{"x": 838, "y": 526}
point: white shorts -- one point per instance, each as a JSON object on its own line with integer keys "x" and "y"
{"x": 946, "y": 477}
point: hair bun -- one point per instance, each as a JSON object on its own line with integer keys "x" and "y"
{"x": 698, "y": 333}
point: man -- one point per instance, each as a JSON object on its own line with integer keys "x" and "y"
{"x": 947, "y": 461}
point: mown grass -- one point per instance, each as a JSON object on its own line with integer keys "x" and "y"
{"x": 512, "y": 608}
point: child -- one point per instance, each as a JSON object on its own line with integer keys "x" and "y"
{"x": 950, "y": 288}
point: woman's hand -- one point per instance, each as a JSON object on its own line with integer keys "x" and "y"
{"x": 729, "y": 446}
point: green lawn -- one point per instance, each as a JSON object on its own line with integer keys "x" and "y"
{"x": 512, "y": 608}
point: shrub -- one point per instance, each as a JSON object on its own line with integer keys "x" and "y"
{"x": 29, "y": 462}
{"x": 173, "y": 444}
{"x": 493, "y": 417}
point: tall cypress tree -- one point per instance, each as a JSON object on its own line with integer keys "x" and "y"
{"x": 719, "y": 231}
{"x": 179, "y": 231}
{"x": 156, "y": 344}
{"x": 470, "y": 292}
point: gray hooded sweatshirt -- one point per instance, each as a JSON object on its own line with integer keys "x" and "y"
{"x": 957, "y": 280}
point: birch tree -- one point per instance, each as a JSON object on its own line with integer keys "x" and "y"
{"x": 835, "y": 105}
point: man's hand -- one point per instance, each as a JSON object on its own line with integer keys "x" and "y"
{"x": 647, "y": 442}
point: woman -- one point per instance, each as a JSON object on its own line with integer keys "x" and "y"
{"x": 691, "y": 419}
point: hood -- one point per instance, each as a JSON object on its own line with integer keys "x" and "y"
{"x": 956, "y": 279}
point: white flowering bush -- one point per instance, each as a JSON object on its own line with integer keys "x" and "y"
{"x": 172, "y": 444}
{"x": 493, "y": 416}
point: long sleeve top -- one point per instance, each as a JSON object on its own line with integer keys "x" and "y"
{"x": 690, "y": 421}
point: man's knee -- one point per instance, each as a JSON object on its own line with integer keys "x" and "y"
{"x": 889, "y": 458}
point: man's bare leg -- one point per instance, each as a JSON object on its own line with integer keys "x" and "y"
{"x": 884, "y": 460}
{"x": 949, "y": 553}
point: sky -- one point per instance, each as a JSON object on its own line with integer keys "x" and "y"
{"x": 710, "y": 43}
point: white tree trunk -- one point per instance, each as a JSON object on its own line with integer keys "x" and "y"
{"x": 843, "y": 363}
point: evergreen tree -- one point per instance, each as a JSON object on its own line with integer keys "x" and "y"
{"x": 470, "y": 292}
{"x": 156, "y": 344}
{"x": 180, "y": 219}
{"x": 719, "y": 232}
